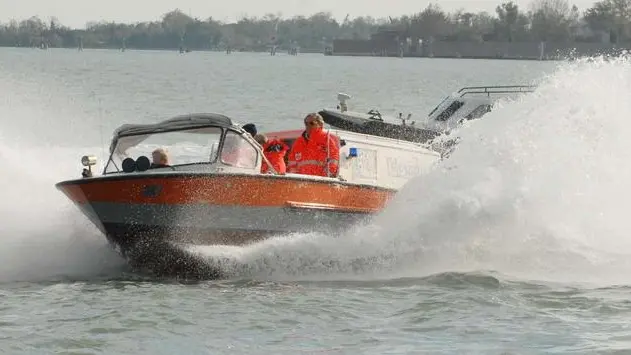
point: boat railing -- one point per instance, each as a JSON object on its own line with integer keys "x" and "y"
{"x": 500, "y": 89}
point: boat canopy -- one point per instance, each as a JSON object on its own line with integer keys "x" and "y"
{"x": 183, "y": 122}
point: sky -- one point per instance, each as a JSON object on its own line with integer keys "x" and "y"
{"x": 76, "y": 13}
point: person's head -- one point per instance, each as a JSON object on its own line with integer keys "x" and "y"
{"x": 160, "y": 157}
{"x": 260, "y": 139}
{"x": 250, "y": 128}
{"x": 313, "y": 121}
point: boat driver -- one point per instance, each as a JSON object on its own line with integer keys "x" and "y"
{"x": 160, "y": 159}
{"x": 315, "y": 152}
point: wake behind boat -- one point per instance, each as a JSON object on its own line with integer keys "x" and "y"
{"x": 210, "y": 196}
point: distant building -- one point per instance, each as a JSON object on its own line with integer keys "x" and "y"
{"x": 385, "y": 42}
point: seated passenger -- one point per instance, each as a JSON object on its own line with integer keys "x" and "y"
{"x": 315, "y": 152}
{"x": 274, "y": 150}
{"x": 160, "y": 159}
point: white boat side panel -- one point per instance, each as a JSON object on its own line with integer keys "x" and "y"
{"x": 384, "y": 162}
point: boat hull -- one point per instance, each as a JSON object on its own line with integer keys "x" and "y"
{"x": 146, "y": 215}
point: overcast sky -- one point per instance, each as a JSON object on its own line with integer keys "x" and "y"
{"x": 76, "y": 13}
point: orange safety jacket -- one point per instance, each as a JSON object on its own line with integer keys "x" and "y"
{"x": 317, "y": 155}
{"x": 275, "y": 151}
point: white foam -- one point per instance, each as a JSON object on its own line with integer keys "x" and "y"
{"x": 536, "y": 189}
{"x": 43, "y": 235}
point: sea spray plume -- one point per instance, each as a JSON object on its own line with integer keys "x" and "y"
{"x": 43, "y": 235}
{"x": 536, "y": 189}
{"x": 300, "y": 256}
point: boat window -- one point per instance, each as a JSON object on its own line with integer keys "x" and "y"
{"x": 479, "y": 112}
{"x": 450, "y": 110}
{"x": 238, "y": 152}
{"x": 182, "y": 147}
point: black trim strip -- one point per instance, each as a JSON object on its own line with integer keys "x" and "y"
{"x": 297, "y": 206}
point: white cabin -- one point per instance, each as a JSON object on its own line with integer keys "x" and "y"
{"x": 468, "y": 103}
{"x": 374, "y": 160}
{"x": 382, "y": 161}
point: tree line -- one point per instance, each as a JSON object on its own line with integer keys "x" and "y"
{"x": 542, "y": 20}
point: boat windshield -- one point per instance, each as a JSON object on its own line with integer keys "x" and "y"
{"x": 238, "y": 152}
{"x": 191, "y": 146}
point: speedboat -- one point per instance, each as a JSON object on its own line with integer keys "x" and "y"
{"x": 205, "y": 197}
{"x": 466, "y": 104}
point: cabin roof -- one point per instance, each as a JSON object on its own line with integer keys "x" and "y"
{"x": 188, "y": 121}
{"x": 182, "y": 122}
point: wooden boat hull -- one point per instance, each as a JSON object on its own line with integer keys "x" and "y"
{"x": 145, "y": 215}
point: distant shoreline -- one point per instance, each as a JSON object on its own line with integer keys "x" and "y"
{"x": 606, "y": 49}
{"x": 509, "y": 33}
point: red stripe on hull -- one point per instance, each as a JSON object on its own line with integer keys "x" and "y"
{"x": 242, "y": 190}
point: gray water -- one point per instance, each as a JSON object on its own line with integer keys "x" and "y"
{"x": 520, "y": 247}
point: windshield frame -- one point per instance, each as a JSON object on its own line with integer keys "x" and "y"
{"x": 117, "y": 140}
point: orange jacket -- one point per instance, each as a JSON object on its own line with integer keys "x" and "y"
{"x": 275, "y": 151}
{"x": 315, "y": 156}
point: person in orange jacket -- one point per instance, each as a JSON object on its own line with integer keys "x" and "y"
{"x": 315, "y": 152}
{"x": 274, "y": 150}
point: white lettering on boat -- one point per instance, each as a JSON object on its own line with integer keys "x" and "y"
{"x": 405, "y": 169}
{"x": 365, "y": 164}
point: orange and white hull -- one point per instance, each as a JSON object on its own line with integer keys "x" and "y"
{"x": 141, "y": 212}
